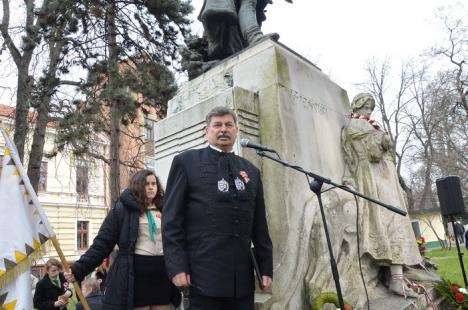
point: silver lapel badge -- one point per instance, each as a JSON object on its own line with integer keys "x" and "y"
{"x": 223, "y": 186}
{"x": 239, "y": 184}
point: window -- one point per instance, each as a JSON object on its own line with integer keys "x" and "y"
{"x": 82, "y": 234}
{"x": 149, "y": 133}
{"x": 82, "y": 180}
{"x": 42, "y": 186}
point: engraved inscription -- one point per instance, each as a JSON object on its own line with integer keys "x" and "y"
{"x": 301, "y": 99}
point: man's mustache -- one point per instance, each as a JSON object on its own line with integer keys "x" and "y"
{"x": 224, "y": 136}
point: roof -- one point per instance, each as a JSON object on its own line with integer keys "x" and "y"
{"x": 9, "y": 112}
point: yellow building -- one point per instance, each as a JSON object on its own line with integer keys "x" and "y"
{"x": 429, "y": 223}
{"x": 72, "y": 192}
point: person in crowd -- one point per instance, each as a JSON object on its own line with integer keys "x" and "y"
{"x": 460, "y": 230}
{"x": 52, "y": 290}
{"x": 101, "y": 274}
{"x": 137, "y": 278}
{"x": 91, "y": 289}
{"x": 214, "y": 210}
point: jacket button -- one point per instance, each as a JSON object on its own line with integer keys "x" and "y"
{"x": 236, "y": 235}
{"x": 235, "y": 208}
{"x": 236, "y": 221}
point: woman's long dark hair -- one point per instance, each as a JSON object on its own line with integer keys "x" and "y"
{"x": 137, "y": 187}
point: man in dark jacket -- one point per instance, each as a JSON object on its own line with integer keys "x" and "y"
{"x": 214, "y": 210}
{"x": 92, "y": 291}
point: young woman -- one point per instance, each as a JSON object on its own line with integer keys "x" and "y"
{"x": 137, "y": 278}
{"x": 52, "y": 290}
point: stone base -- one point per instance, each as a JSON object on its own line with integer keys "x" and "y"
{"x": 263, "y": 301}
{"x": 398, "y": 302}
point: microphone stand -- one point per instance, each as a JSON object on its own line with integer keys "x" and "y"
{"x": 460, "y": 254}
{"x": 316, "y": 186}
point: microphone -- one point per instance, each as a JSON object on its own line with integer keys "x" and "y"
{"x": 247, "y": 143}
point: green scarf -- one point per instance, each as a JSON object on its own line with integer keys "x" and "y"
{"x": 56, "y": 282}
{"x": 152, "y": 228}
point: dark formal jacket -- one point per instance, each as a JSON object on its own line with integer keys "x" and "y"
{"x": 208, "y": 226}
{"x": 94, "y": 301}
{"x": 46, "y": 293}
{"x": 119, "y": 227}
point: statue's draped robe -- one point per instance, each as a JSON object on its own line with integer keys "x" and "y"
{"x": 386, "y": 236}
{"x": 221, "y": 24}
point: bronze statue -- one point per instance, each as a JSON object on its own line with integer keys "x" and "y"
{"x": 230, "y": 26}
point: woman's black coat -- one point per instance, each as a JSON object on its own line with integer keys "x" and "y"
{"x": 119, "y": 227}
{"x": 46, "y": 293}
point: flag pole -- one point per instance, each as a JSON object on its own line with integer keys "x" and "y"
{"x": 32, "y": 193}
{"x": 78, "y": 291}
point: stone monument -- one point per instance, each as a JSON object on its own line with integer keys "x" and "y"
{"x": 285, "y": 102}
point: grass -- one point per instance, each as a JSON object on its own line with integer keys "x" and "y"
{"x": 448, "y": 263}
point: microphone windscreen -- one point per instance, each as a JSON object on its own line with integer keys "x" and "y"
{"x": 244, "y": 142}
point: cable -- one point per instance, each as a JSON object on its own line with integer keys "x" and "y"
{"x": 359, "y": 251}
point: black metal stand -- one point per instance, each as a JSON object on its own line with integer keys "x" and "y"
{"x": 316, "y": 186}
{"x": 460, "y": 254}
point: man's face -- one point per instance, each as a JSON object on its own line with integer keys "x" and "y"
{"x": 85, "y": 289}
{"x": 222, "y": 132}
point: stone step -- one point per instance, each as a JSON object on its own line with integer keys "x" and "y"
{"x": 396, "y": 302}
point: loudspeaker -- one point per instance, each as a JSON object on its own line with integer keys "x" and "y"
{"x": 450, "y": 196}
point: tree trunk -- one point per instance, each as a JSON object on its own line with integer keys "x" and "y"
{"x": 22, "y": 108}
{"x": 22, "y": 63}
{"x": 114, "y": 174}
{"x": 37, "y": 148}
{"x": 408, "y": 191}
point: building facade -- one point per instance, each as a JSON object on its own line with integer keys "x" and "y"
{"x": 72, "y": 192}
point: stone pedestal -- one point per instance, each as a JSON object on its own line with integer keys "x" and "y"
{"x": 285, "y": 102}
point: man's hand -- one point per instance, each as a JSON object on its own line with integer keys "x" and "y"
{"x": 181, "y": 280}
{"x": 266, "y": 281}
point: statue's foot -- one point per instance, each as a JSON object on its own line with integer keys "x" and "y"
{"x": 260, "y": 37}
{"x": 400, "y": 287}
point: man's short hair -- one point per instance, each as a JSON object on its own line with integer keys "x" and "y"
{"x": 93, "y": 284}
{"x": 220, "y": 111}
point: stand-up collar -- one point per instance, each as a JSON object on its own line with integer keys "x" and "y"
{"x": 220, "y": 150}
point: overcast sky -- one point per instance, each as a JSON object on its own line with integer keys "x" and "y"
{"x": 341, "y": 35}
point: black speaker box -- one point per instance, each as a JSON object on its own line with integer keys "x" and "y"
{"x": 450, "y": 196}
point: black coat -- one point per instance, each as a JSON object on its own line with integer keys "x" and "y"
{"x": 94, "y": 301}
{"x": 119, "y": 227}
{"x": 46, "y": 293}
{"x": 209, "y": 237}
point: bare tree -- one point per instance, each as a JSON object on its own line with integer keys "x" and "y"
{"x": 455, "y": 50}
{"x": 392, "y": 112}
{"x": 22, "y": 56}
